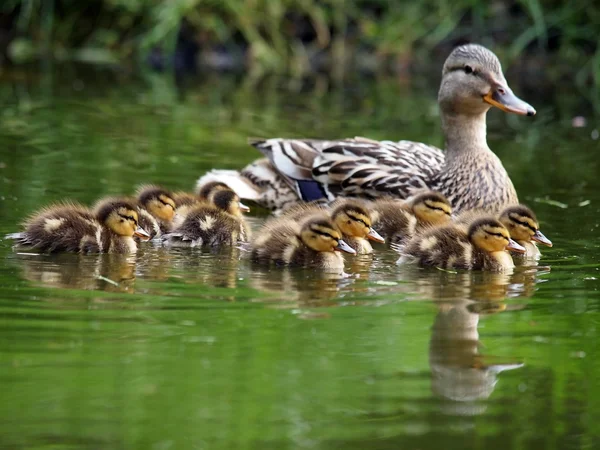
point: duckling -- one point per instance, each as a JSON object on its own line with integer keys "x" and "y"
{"x": 398, "y": 221}
{"x": 156, "y": 208}
{"x": 213, "y": 225}
{"x": 481, "y": 246}
{"x": 312, "y": 242}
{"x": 351, "y": 217}
{"x": 70, "y": 227}
{"x": 523, "y": 226}
{"x": 186, "y": 202}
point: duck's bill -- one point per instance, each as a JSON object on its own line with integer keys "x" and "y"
{"x": 141, "y": 233}
{"x": 513, "y": 246}
{"x": 539, "y": 237}
{"x": 343, "y": 247}
{"x": 375, "y": 236}
{"x": 503, "y": 98}
{"x": 243, "y": 207}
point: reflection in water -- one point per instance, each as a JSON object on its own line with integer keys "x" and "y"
{"x": 459, "y": 372}
{"x": 110, "y": 272}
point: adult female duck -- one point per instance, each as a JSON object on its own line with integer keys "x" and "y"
{"x": 468, "y": 173}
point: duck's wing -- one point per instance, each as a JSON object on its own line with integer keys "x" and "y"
{"x": 356, "y": 167}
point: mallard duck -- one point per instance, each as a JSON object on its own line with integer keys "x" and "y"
{"x": 398, "y": 220}
{"x": 313, "y": 242}
{"x": 70, "y": 227}
{"x": 481, "y": 246}
{"x": 351, "y": 217}
{"x": 156, "y": 209}
{"x": 211, "y": 224}
{"x": 468, "y": 173}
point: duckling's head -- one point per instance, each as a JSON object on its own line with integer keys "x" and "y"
{"x": 353, "y": 219}
{"x": 432, "y": 208}
{"x": 320, "y": 234}
{"x": 157, "y": 202}
{"x": 121, "y": 217}
{"x": 472, "y": 82}
{"x": 209, "y": 189}
{"x": 491, "y": 236}
{"x": 228, "y": 201}
{"x": 522, "y": 224}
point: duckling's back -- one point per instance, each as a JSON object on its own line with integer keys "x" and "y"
{"x": 62, "y": 228}
{"x": 209, "y": 226}
{"x": 445, "y": 247}
{"x": 394, "y": 221}
{"x": 276, "y": 241}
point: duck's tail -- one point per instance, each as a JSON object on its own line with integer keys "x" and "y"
{"x": 258, "y": 182}
{"x": 242, "y": 186}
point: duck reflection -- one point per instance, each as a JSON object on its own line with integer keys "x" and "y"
{"x": 110, "y": 272}
{"x": 460, "y": 374}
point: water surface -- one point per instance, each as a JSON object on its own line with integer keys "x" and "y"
{"x": 190, "y": 349}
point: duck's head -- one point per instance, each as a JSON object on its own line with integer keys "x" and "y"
{"x": 209, "y": 190}
{"x": 121, "y": 217}
{"x": 352, "y": 219}
{"x": 228, "y": 201}
{"x": 522, "y": 224}
{"x": 472, "y": 82}
{"x": 321, "y": 235}
{"x": 432, "y": 208}
{"x": 490, "y": 235}
{"x": 157, "y": 201}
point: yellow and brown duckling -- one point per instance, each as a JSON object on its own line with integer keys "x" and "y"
{"x": 481, "y": 246}
{"x": 398, "y": 221}
{"x": 211, "y": 224}
{"x": 69, "y": 227}
{"x": 312, "y": 242}
{"x": 157, "y": 209}
{"x": 523, "y": 226}
{"x": 351, "y": 217}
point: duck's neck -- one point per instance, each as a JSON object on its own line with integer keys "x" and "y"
{"x": 465, "y": 134}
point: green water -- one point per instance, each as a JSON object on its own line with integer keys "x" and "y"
{"x": 189, "y": 350}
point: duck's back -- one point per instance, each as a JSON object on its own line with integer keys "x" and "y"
{"x": 445, "y": 247}
{"x": 277, "y": 241}
{"x": 394, "y": 221}
{"x": 62, "y": 228}
{"x": 209, "y": 226}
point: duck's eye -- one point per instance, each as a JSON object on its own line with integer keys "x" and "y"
{"x": 469, "y": 69}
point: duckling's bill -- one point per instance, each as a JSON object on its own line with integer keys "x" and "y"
{"x": 502, "y": 97}
{"x": 243, "y": 207}
{"x": 515, "y": 247}
{"x": 343, "y": 247}
{"x": 375, "y": 236}
{"x": 539, "y": 237}
{"x": 141, "y": 233}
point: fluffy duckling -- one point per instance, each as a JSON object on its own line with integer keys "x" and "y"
{"x": 351, "y": 217}
{"x": 312, "y": 242}
{"x": 216, "y": 224}
{"x": 70, "y": 227}
{"x": 521, "y": 223}
{"x": 157, "y": 209}
{"x": 186, "y": 202}
{"x": 398, "y": 221}
{"x": 481, "y": 246}
{"x": 523, "y": 226}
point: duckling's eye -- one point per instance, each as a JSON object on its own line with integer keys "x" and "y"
{"x": 468, "y": 69}
{"x": 500, "y": 235}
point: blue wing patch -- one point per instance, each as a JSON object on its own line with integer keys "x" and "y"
{"x": 310, "y": 190}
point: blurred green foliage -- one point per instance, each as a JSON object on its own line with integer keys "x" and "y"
{"x": 285, "y": 35}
